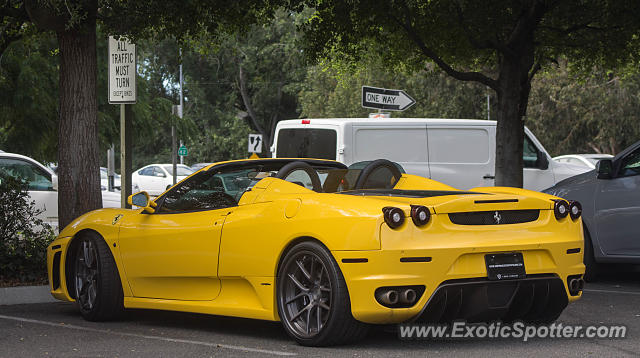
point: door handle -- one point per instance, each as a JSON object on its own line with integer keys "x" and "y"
{"x": 488, "y": 176}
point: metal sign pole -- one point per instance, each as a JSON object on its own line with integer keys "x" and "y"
{"x": 174, "y": 154}
{"x": 125, "y": 154}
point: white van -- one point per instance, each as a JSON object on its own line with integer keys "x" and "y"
{"x": 457, "y": 152}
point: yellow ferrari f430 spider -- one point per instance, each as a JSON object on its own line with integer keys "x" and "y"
{"x": 324, "y": 249}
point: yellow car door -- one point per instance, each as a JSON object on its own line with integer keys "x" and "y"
{"x": 173, "y": 252}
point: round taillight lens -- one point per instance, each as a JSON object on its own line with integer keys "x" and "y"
{"x": 420, "y": 215}
{"x": 394, "y": 217}
{"x": 561, "y": 209}
{"x": 575, "y": 209}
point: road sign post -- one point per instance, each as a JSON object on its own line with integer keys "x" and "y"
{"x": 255, "y": 143}
{"x": 122, "y": 90}
{"x": 386, "y": 99}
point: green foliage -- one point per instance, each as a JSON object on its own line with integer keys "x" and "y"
{"x": 29, "y": 100}
{"x": 24, "y": 237}
{"x": 333, "y": 89}
{"x": 571, "y": 113}
{"x": 471, "y": 34}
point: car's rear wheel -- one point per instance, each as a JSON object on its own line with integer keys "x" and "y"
{"x": 98, "y": 290}
{"x": 313, "y": 300}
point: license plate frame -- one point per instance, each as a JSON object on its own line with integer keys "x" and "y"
{"x": 505, "y": 266}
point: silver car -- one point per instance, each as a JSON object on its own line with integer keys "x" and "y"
{"x": 610, "y": 198}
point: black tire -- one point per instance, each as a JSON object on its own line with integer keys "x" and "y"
{"x": 337, "y": 325}
{"x": 98, "y": 290}
{"x": 363, "y": 178}
{"x": 592, "y": 268}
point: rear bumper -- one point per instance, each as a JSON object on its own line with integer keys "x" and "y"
{"x": 457, "y": 255}
{"x": 538, "y": 298}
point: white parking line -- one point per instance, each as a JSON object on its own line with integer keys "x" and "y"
{"x": 611, "y": 291}
{"x": 173, "y": 340}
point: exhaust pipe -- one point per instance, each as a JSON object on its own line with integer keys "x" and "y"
{"x": 388, "y": 297}
{"x": 576, "y": 285}
{"x": 408, "y": 296}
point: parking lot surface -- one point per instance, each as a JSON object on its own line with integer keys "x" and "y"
{"x": 57, "y": 330}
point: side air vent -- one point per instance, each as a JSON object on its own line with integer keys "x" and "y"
{"x": 498, "y": 217}
{"x": 55, "y": 271}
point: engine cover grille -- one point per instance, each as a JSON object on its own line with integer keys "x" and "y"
{"x": 496, "y": 217}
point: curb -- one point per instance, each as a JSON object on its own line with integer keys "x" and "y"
{"x": 25, "y": 294}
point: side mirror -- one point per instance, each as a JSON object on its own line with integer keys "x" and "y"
{"x": 604, "y": 168}
{"x": 142, "y": 200}
{"x": 543, "y": 161}
{"x": 54, "y": 182}
{"x": 161, "y": 175}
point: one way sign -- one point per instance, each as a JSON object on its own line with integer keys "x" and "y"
{"x": 388, "y": 99}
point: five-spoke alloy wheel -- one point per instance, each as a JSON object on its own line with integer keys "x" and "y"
{"x": 98, "y": 290}
{"x": 313, "y": 301}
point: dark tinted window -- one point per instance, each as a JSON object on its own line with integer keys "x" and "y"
{"x": 530, "y": 153}
{"x": 203, "y": 191}
{"x": 146, "y": 171}
{"x": 37, "y": 178}
{"x": 307, "y": 143}
{"x": 631, "y": 164}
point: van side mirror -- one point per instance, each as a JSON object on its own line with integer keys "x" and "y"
{"x": 142, "y": 200}
{"x": 604, "y": 169}
{"x": 543, "y": 161}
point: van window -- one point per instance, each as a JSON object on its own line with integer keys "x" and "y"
{"x": 530, "y": 154}
{"x": 395, "y": 144}
{"x": 459, "y": 145}
{"x": 307, "y": 143}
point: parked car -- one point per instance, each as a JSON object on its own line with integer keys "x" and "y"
{"x": 104, "y": 179}
{"x": 199, "y": 166}
{"x": 458, "y": 152}
{"x": 610, "y": 197}
{"x": 43, "y": 185}
{"x": 587, "y": 160}
{"x": 156, "y": 178}
{"x": 325, "y": 257}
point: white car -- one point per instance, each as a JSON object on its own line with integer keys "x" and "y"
{"x": 155, "y": 179}
{"x": 585, "y": 160}
{"x": 104, "y": 179}
{"x": 43, "y": 185}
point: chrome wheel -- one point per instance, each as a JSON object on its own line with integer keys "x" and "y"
{"x": 306, "y": 294}
{"x": 86, "y": 274}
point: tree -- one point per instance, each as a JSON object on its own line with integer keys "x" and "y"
{"x": 74, "y": 22}
{"x": 597, "y": 113}
{"x": 500, "y": 44}
{"x": 333, "y": 90}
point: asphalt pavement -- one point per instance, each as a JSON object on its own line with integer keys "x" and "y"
{"x": 57, "y": 330}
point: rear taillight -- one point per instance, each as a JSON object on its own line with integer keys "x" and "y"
{"x": 394, "y": 217}
{"x": 575, "y": 209}
{"x": 420, "y": 215}
{"x": 561, "y": 209}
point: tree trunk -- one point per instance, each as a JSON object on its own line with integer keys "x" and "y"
{"x": 514, "y": 85}
{"x": 509, "y": 130}
{"x": 78, "y": 158}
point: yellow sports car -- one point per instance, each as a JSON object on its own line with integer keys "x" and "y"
{"x": 325, "y": 249}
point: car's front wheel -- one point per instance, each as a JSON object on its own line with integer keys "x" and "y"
{"x": 313, "y": 300}
{"x": 98, "y": 290}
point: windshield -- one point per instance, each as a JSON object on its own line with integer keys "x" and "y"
{"x": 183, "y": 170}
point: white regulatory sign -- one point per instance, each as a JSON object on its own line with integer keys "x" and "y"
{"x": 122, "y": 71}
{"x": 255, "y": 143}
